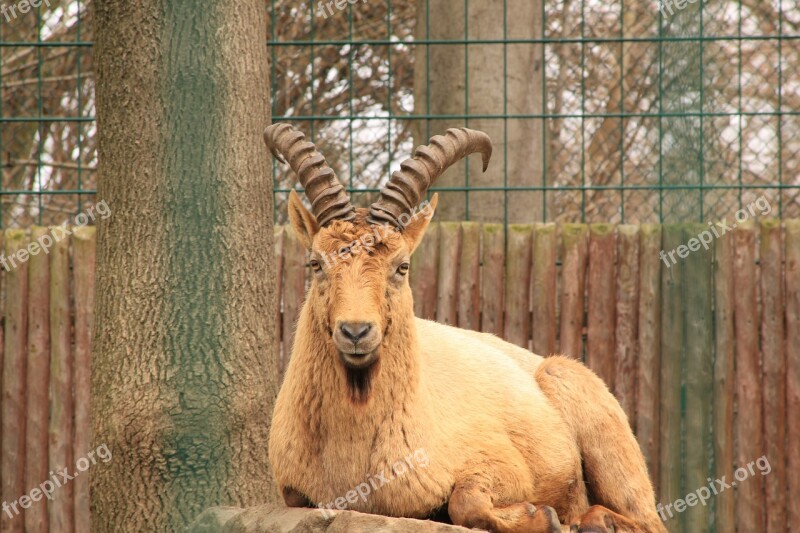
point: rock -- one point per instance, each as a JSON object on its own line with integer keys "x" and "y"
{"x": 214, "y": 519}
{"x": 276, "y": 519}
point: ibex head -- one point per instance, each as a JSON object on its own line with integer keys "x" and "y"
{"x": 360, "y": 257}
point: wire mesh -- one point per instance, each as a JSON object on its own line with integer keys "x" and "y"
{"x": 47, "y": 142}
{"x": 600, "y": 111}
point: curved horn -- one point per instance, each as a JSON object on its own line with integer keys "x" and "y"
{"x": 329, "y": 201}
{"x": 408, "y": 185}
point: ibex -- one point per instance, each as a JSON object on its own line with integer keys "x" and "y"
{"x": 514, "y": 442}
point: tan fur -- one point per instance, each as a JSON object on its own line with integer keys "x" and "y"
{"x": 500, "y": 426}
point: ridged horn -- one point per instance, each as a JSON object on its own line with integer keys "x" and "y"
{"x": 329, "y": 201}
{"x": 408, "y": 185}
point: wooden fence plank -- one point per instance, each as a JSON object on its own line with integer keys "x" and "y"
{"x": 518, "y": 282}
{"x": 493, "y": 279}
{"x": 749, "y": 428}
{"x": 469, "y": 277}
{"x": 447, "y": 286}
{"x": 14, "y": 369}
{"x": 38, "y": 379}
{"x": 294, "y": 291}
{"x": 424, "y": 273}
{"x": 627, "y": 319}
{"x": 724, "y": 379}
{"x": 649, "y": 347}
{"x": 543, "y": 290}
{"x": 600, "y": 303}
{"x": 84, "y": 245}
{"x": 574, "y": 239}
{"x": 699, "y": 364}
{"x": 61, "y": 507}
{"x": 773, "y": 372}
{"x": 793, "y": 367}
{"x": 672, "y": 331}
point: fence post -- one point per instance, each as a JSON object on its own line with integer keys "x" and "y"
{"x": 12, "y": 473}
{"x": 649, "y": 348}
{"x": 83, "y": 256}
{"x": 38, "y": 378}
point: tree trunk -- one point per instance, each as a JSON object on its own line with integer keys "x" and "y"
{"x": 183, "y": 375}
{"x": 681, "y": 131}
{"x": 484, "y": 79}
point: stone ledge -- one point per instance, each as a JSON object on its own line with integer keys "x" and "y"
{"x": 270, "y": 518}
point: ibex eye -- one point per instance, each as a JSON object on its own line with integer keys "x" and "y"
{"x": 403, "y": 269}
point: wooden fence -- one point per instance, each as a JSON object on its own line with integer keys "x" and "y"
{"x": 703, "y": 354}
{"x": 45, "y": 345}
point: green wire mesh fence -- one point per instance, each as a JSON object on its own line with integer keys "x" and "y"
{"x": 47, "y": 141}
{"x": 614, "y": 111}
{"x": 600, "y": 111}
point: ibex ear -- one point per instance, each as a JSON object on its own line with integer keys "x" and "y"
{"x": 415, "y": 229}
{"x": 304, "y": 224}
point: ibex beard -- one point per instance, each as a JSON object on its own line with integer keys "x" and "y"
{"x": 515, "y": 442}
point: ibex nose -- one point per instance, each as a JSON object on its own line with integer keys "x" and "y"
{"x": 355, "y": 331}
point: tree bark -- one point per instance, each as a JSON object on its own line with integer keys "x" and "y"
{"x": 683, "y": 155}
{"x": 484, "y": 79}
{"x": 183, "y": 373}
